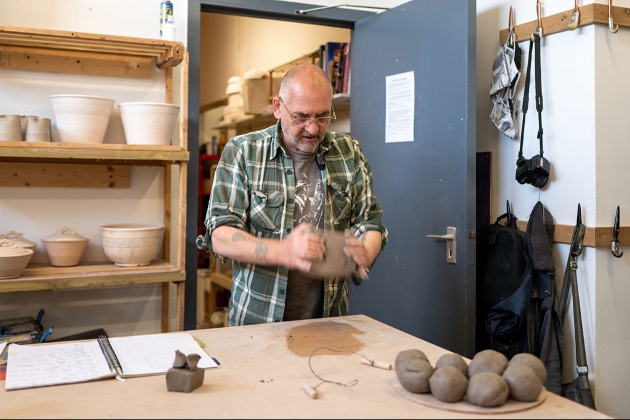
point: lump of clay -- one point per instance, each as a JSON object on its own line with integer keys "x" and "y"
{"x": 487, "y": 361}
{"x": 448, "y": 384}
{"x": 411, "y": 354}
{"x": 487, "y": 389}
{"x": 523, "y": 382}
{"x": 414, "y": 374}
{"x": 533, "y": 362}
{"x": 453, "y": 359}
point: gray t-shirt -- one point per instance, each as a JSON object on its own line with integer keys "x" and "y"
{"x": 305, "y": 295}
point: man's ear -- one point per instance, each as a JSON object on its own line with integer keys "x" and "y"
{"x": 276, "y": 105}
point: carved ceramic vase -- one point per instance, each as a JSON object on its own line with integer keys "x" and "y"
{"x": 148, "y": 122}
{"x": 81, "y": 118}
{"x": 132, "y": 244}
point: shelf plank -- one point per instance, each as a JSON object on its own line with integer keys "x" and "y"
{"x": 593, "y": 237}
{"x": 47, "y": 277}
{"x": 23, "y": 174}
{"x": 27, "y": 58}
{"x": 99, "y": 153}
{"x": 166, "y": 53}
{"x": 589, "y": 14}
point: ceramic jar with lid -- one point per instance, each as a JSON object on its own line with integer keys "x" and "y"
{"x": 65, "y": 247}
{"x": 19, "y": 240}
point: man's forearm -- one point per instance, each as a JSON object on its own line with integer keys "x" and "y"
{"x": 230, "y": 242}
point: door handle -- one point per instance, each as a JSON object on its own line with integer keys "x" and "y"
{"x": 451, "y": 243}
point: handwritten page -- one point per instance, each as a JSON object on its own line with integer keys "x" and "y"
{"x": 154, "y": 354}
{"x": 36, "y": 365}
{"x": 31, "y": 366}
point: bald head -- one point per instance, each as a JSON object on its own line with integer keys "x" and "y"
{"x": 305, "y": 80}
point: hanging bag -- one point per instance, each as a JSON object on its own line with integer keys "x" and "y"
{"x": 578, "y": 390}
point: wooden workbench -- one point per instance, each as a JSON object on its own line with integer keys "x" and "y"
{"x": 262, "y": 370}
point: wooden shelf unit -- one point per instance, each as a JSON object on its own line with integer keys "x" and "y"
{"x": 103, "y": 55}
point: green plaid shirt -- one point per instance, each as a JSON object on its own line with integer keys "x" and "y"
{"x": 254, "y": 190}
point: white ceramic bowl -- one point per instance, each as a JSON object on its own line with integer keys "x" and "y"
{"x": 81, "y": 118}
{"x": 13, "y": 259}
{"x": 65, "y": 247}
{"x": 132, "y": 244}
{"x": 148, "y": 122}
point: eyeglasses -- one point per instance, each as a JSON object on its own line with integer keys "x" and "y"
{"x": 305, "y": 122}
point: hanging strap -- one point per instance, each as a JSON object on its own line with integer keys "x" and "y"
{"x": 570, "y": 282}
{"x": 535, "y": 39}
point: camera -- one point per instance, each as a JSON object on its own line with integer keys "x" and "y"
{"x": 533, "y": 171}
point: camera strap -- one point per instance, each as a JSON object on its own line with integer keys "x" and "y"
{"x": 535, "y": 39}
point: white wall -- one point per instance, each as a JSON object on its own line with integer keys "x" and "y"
{"x": 585, "y": 90}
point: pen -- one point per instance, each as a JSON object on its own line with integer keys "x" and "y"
{"x": 110, "y": 355}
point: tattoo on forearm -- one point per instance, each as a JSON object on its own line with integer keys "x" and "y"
{"x": 261, "y": 250}
{"x": 238, "y": 237}
{"x": 363, "y": 237}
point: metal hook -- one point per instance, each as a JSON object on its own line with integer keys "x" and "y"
{"x": 575, "y": 17}
{"x": 613, "y": 28}
{"x": 539, "y": 29}
{"x": 511, "y": 37}
{"x": 614, "y": 246}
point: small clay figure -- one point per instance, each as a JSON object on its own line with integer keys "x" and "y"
{"x": 184, "y": 375}
{"x": 523, "y": 382}
{"x": 487, "y": 389}
{"x": 448, "y": 384}
{"x": 413, "y": 371}
{"x": 533, "y": 362}
{"x": 487, "y": 361}
{"x": 453, "y": 359}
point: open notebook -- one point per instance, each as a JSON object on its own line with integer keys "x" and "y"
{"x": 36, "y": 365}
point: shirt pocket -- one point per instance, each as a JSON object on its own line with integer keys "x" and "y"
{"x": 266, "y": 212}
{"x": 341, "y": 201}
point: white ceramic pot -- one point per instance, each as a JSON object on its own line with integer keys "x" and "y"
{"x": 132, "y": 244}
{"x": 13, "y": 259}
{"x": 18, "y": 240}
{"x": 148, "y": 122}
{"x": 81, "y": 118}
{"x": 65, "y": 247}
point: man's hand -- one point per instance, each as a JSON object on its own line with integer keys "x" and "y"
{"x": 356, "y": 250}
{"x": 301, "y": 247}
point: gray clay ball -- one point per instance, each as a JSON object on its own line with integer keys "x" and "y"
{"x": 453, "y": 359}
{"x": 411, "y": 354}
{"x": 414, "y": 374}
{"x": 524, "y": 384}
{"x": 487, "y": 361}
{"x": 533, "y": 362}
{"x": 448, "y": 384}
{"x": 487, "y": 389}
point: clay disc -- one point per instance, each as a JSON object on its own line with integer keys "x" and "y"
{"x": 464, "y": 406}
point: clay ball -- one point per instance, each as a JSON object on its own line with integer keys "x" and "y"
{"x": 487, "y": 361}
{"x": 523, "y": 382}
{"x": 453, "y": 359}
{"x": 448, "y": 384}
{"x": 414, "y": 374}
{"x": 533, "y": 362}
{"x": 411, "y": 354}
{"x": 487, "y": 389}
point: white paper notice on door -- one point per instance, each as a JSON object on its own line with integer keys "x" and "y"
{"x": 399, "y": 110}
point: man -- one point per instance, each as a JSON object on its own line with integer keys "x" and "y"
{"x": 273, "y": 188}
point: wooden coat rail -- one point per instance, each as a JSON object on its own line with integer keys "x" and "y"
{"x": 593, "y": 237}
{"x": 589, "y": 14}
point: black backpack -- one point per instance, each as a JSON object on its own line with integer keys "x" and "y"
{"x": 505, "y": 280}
